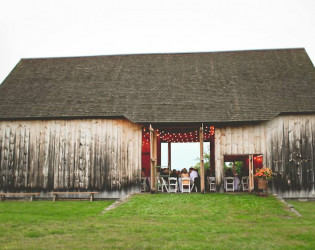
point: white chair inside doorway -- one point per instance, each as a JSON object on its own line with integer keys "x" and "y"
{"x": 164, "y": 185}
{"x": 229, "y": 184}
{"x": 159, "y": 184}
{"x": 185, "y": 188}
{"x": 211, "y": 183}
{"x": 172, "y": 185}
{"x": 245, "y": 184}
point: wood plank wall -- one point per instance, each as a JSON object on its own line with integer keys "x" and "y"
{"x": 292, "y": 152}
{"x": 89, "y": 154}
{"x": 237, "y": 140}
{"x": 287, "y": 144}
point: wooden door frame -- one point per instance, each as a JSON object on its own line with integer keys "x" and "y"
{"x": 251, "y": 184}
{"x": 251, "y": 172}
{"x": 153, "y": 158}
{"x": 202, "y": 169}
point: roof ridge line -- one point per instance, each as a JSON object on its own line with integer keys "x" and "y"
{"x": 166, "y": 53}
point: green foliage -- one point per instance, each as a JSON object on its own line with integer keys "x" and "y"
{"x": 236, "y": 167}
{"x": 206, "y": 160}
{"x": 167, "y": 221}
{"x": 227, "y": 165}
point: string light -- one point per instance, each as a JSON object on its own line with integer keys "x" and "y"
{"x": 183, "y": 136}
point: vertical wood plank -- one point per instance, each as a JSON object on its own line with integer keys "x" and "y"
{"x": 202, "y": 174}
{"x": 17, "y": 155}
{"x": 246, "y": 142}
{"x": 219, "y": 159}
{"x": 257, "y": 139}
{"x": 298, "y": 153}
{"x": 26, "y": 156}
{"x": 72, "y": 151}
{"x": 40, "y": 155}
{"x": 2, "y": 135}
{"x": 87, "y": 154}
{"x": 82, "y": 153}
{"x": 76, "y": 178}
{"x": 56, "y": 156}
{"x": 234, "y": 142}
{"x": 10, "y": 177}
{"x": 36, "y": 151}
{"x": 263, "y": 142}
{"x": 21, "y": 157}
{"x": 46, "y": 154}
{"x": 228, "y": 138}
{"x": 240, "y": 141}
{"x": 5, "y": 163}
{"x": 98, "y": 156}
{"x": 92, "y": 155}
{"x": 223, "y": 143}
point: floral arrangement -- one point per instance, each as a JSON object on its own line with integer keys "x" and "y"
{"x": 263, "y": 173}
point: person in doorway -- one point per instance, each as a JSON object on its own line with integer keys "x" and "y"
{"x": 174, "y": 173}
{"x": 194, "y": 178}
{"x": 193, "y": 174}
{"x": 183, "y": 174}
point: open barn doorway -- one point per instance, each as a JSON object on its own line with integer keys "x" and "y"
{"x": 239, "y": 171}
{"x": 184, "y": 157}
{"x": 156, "y": 165}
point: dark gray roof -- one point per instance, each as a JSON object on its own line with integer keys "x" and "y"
{"x": 191, "y": 87}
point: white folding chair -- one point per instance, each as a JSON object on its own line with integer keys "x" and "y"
{"x": 164, "y": 184}
{"x": 245, "y": 183}
{"x": 159, "y": 184}
{"x": 172, "y": 182}
{"x": 185, "y": 188}
{"x": 208, "y": 182}
{"x": 144, "y": 184}
{"x": 229, "y": 184}
{"x": 211, "y": 183}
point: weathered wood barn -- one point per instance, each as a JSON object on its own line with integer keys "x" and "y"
{"x": 92, "y": 123}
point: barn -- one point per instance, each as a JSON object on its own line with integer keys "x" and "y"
{"x": 93, "y": 123}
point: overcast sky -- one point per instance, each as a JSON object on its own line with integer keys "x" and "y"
{"x": 37, "y": 28}
{"x": 44, "y": 28}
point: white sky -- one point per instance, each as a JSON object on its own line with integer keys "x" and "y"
{"x": 37, "y": 28}
{"x": 183, "y": 155}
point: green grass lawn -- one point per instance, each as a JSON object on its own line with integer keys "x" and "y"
{"x": 191, "y": 221}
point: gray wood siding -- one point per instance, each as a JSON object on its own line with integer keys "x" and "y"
{"x": 89, "y": 154}
{"x": 287, "y": 146}
{"x": 238, "y": 140}
{"x": 292, "y": 143}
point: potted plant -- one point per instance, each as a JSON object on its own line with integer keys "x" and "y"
{"x": 263, "y": 175}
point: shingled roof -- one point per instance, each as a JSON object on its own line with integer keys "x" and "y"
{"x": 191, "y": 87}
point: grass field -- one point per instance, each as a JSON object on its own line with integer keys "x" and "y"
{"x": 191, "y": 221}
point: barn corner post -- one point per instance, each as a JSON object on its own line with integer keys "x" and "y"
{"x": 202, "y": 172}
{"x": 219, "y": 160}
